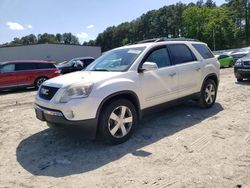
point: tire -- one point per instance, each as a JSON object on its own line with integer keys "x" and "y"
{"x": 53, "y": 125}
{"x": 208, "y": 94}
{"x": 39, "y": 81}
{"x": 239, "y": 79}
{"x": 112, "y": 128}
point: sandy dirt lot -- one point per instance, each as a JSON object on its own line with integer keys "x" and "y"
{"x": 183, "y": 146}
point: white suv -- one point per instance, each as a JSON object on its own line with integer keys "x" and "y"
{"x": 113, "y": 93}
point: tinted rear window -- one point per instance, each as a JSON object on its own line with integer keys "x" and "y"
{"x": 25, "y": 66}
{"x": 203, "y": 50}
{"x": 180, "y": 53}
{"x": 45, "y": 66}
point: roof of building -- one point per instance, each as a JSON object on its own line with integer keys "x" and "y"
{"x": 9, "y": 46}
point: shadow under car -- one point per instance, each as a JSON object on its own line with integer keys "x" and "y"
{"x": 59, "y": 154}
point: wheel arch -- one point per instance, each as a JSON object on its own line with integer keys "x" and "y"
{"x": 129, "y": 95}
{"x": 40, "y": 77}
{"x": 213, "y": 77}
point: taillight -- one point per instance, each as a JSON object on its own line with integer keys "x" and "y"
{"x": 58, "y": 71}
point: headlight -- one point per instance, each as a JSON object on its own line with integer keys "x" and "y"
{"x": 76, "y": 91}
{"x": 239, "y": 62}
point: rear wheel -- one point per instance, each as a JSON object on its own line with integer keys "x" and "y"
{"x": 118, "y": 121}
{"x": 39, "y": 81}
{"x": 208, "y": 94}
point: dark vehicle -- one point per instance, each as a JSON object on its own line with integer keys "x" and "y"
{"x": 76, "y": 64}
{"x": 25, "y": 73}
{"x": 238, "y": 55}
{"x": 242, "y": 68}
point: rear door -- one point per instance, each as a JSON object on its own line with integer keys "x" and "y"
{"x": 188, "y": 68}
{"x": 7, "y": 76}
{"x": 26, "y": 72}
{"x": 45, "y": 70}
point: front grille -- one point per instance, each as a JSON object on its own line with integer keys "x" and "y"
{"x": 47, "y": 93}
{"x": 247, "y": 63}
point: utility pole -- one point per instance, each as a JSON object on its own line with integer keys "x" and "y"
{"x": 214, "y": 38}
{"x": 246, "y": 6}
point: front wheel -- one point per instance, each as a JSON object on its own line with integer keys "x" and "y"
{"x": 118, "y": 121}
{"x": 239, "y": 79}
{"x": 208, "y": 94}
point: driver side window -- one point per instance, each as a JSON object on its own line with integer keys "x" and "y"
{"x": 160, "y": 57}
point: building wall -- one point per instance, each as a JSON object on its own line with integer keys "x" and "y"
{"x": 54, "y": 52}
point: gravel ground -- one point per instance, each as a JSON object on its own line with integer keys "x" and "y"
{"x": 183, "y": 146}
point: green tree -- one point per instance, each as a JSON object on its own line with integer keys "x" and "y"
{"x": 16, "y": 41}
{"x": 29, "y": 39}
{"x": 59, "y": 38}
{"x": 46, "y": 38}
{"x": 213, "y": 26}
{"x": 68, "y": 38}
{"x": 240, "y": 13}
{"x": 210, "y": 4}
{"x": 164, "y": 22}
{"x": 195, "y": 19}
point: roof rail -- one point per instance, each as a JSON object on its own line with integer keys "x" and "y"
{"x": 161, "y": 39}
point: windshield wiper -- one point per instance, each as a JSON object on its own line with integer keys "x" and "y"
{"x": 96, "y": 69}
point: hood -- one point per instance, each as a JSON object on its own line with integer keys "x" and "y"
{"x": 246, "y": 58}
{"x": 80, "y": 76}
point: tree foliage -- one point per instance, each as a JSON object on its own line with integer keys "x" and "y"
{"x": 211, "y": 25}
{"x": 221, "y": 27}
{"x": 65, "y": 38}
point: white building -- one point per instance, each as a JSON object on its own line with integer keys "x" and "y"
{"x": 53, "y": 52}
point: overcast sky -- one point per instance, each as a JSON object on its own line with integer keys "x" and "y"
{"x": 83, "y": 18}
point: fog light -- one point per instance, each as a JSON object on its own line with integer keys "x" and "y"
{"x": 69, "y": 114}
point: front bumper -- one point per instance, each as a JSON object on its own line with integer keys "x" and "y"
{"x": 242, "y": 72}
{"x": 56, "y": 119}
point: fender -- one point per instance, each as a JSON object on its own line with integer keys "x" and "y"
{"x": 211, "y": 75}
{"x": 136, "y": 102}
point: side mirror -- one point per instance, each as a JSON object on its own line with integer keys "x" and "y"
{"x": 148, "y": 66}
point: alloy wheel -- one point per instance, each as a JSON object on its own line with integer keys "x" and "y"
{"x": 120, "y": 122}
{"x": 210, "y": 94}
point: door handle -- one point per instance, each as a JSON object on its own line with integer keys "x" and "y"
{"x": 198, "y": 68}
{"x": 172, "y": 74}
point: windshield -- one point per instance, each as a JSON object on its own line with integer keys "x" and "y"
{"x": 116, "y": 60}
{"x": 247, "y": 56}
{"x": 71, "y": 62}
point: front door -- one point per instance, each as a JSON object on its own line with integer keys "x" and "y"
{"x": 159, "y": 86}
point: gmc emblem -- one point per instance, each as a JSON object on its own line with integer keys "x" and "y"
{"x": 44, "y": 91}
